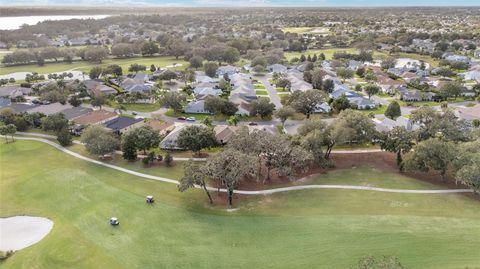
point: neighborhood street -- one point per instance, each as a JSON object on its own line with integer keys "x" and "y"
{"x": 272, "y": 92}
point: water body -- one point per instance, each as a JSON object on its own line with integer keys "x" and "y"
{"x": 12, "y": 23}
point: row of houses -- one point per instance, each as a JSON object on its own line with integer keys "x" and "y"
{"x": 243, "y": 92}
{"x": 205, "y": 87}
{"x": 353, "y": 97}
{"x": 223, "y": 133}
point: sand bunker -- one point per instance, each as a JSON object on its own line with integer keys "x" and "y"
{"x": 22, "y": 231}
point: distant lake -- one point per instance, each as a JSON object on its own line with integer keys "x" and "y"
{"x": 11, "y": 23}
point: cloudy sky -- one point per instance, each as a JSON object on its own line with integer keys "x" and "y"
{"x": 247, "y": 3}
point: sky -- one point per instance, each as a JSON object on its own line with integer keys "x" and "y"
{"x": 245, "y": 3}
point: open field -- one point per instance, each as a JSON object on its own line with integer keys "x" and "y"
{"x": 376, "y": 54}
{"x": 328, "y": 53}
{"x": 313, "y": 228}
{"x": 307, "y": 30}
{"x": 85, "y": 66}
{"x": 415, "y": 56}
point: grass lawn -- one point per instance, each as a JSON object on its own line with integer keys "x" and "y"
{"x": 259, "y": 92}
{"x": 378, "y": 110}
{"x": 329, "y": 53}
{"x": 302, "y": 229}
{"x": 368, "y": 176}
{"x": 415, "y": 56}
{"x": 433, "y": 103}
{"x": 161, "y": 61}
{"x": 306, "y": 30}
{"x": 281, "y": 89}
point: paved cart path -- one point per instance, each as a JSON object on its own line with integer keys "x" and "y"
{"x": 245, "y": 192}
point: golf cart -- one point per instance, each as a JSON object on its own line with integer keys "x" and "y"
{"x": 150, "y": 199}
{"x": 114, "y": 221}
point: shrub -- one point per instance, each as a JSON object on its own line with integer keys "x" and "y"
{"x": 168, "y": 159}
{"x": 5, "y": 254}
{"x": 25, "y": 85}
{"x": 64, "y": 137}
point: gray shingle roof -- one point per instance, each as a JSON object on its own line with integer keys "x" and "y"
{"x": 121, "y": 122}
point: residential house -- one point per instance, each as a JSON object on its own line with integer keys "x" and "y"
{"x": 50, "y": 108}
{"x": 456, "y": 58}
{"x": 5, "y": 102}
{"x": 362, "y": 102}
{"x": 416, "y": 95}
{"x": 203, "y": 92}
{"x": 477, "y": 53}
{"x": 136, "y": 83}
{"x": 384, "y": 124}
{"x": 469, "y": 114}
{"x": 206, "y": 88}
{"x": 122, "y": 124}
{"x": 197, "y": 107}
{"x": 96, "y": 87}
{"x": 323, "y": 108}
{"x": 277, "y": 68}
{"x": 95, "y": 117}
{"x": 161, "y": 126}
{"x": 468, "y": 92}
{"x": 272, "y": 129}
{"x": 353, "y": 97}
{"x": 22, "y": 107}
{"x": 243, "y": 108}
{"x": 422, "y": 46}
{"x": 13, "y": 91}
{"x": 170, "y": 141}
{"x": 200, "y": 77}
{"x": 291, "y": 127}
{"x": 389, "y": 85}
{"x": 472, "y": 75}
{"x": 227, "y": 69}
{"x": 243, "y": 93}
{"x": 75, "y": 112}
{"x": 354, "y": 65}
{"x": 340, "y": 90}
{"x": 296, "y": 81}
{"x": 158, "y": 72}
{"x": 224, "y": 133}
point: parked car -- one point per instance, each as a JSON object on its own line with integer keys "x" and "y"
{"x": 181, "y": 118}
{"x": 252, "y": 123}
{"x": 190, "y": 119}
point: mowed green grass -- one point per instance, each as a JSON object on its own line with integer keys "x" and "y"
{"x": 306, "y": 30}
{"x": 301, "y": 229}
{"x": 161, "y": 61}
{"x": 329, "y": 53}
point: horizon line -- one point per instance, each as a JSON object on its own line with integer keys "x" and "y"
{"x": 145, "y": 5}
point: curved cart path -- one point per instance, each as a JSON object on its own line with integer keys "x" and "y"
{"x": 258, "y": 192}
